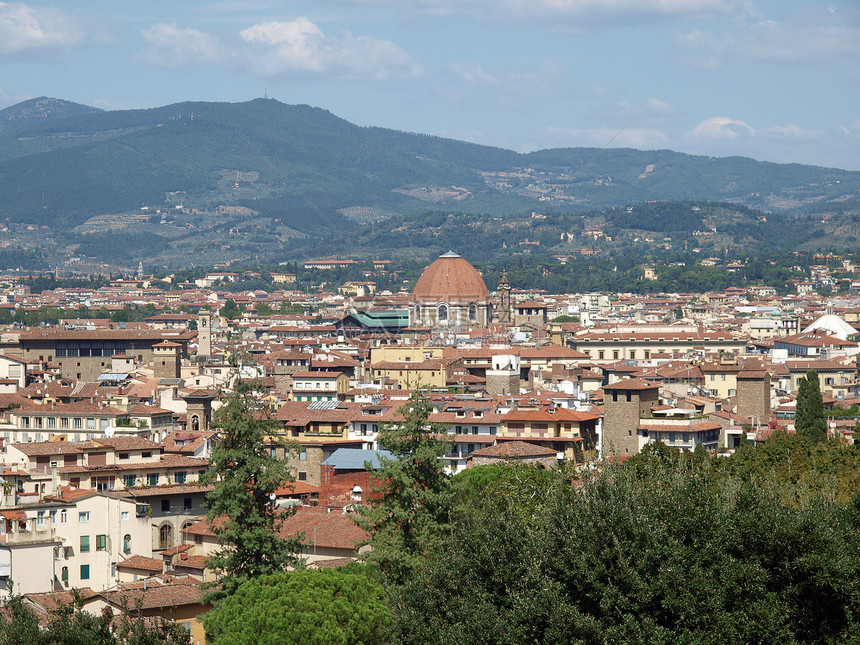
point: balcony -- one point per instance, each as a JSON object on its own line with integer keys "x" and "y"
{"x": 21, "y": 533}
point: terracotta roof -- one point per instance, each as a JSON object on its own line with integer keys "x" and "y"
{"x": 514, "y": 449}
{"x": 198, "y": 562}
{"x": 155, "y": 565}
{"x": 157, "y": 594}
{"x": 632, "y": 384}
{"x": 334, "y": 530}
{"x": 450, "y": 279}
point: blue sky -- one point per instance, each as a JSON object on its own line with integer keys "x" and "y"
{"x": 777, "y": 80}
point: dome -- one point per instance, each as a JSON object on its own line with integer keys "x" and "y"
{"x": 833, "y": 325}
{"x": 450, "y": 279}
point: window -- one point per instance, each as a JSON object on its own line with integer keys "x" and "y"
{"x": 84, "y": 516}
{"x": 40, "y": 518}
{"x": 123, "y": 515}
{"x": 64, "y": 576}
{"x": 53, "y": 514}
{"x": 165, "y": 506}
{"x": 64, "y": 516}
{"x": 129, "y": 480}
{"x": 101, "y": 543}
{"x": 443, "y": 312}
{"x": 77, "y": 424}
{"x": 123, "y": 455}
{"x": 152, "y": 479}
{"x": 64, "y": 423}
{"x": 179, "y": 477}
{"x": 126, "y": 543}
{"x": 146, "y": 455}
{"x": 303, "y": 455}
{"x": 303, "y": 476}
{"x": 85, "y": 543}
{"x": 85, "y": 572}
{"x": 165, "y": 537}
{"x": 186, "y": 504}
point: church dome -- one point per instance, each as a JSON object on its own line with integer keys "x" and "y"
{"x": 450, "y": 279}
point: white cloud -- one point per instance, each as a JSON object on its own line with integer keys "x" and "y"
{"x": 721, "y": 127}
{"x": 658, "y": 107}
{"x": 812, "y": 37}
{"x": 24, "y": 28}
{"x": 792, "y": 131}
{"x": 173, "y": 47}
{"x": 471, "y": 72}
{"x": 580, "y": 11}
{"x": 300, "y": 46}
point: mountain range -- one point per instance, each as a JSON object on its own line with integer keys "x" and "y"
{"x": 255, "y": 179}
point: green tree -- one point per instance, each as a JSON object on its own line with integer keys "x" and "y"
{"x": 416, "y": 497}
{"x": 69, "y": 624}
{"x": 326, "y": 606}
{"x": 245, "y": 474}
{"x": 621, "y": 558}
{"x": 230, "y": 309}
{"x": 809, "y": 418}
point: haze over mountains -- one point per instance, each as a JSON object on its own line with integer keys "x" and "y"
{"x": 276, "y": 176}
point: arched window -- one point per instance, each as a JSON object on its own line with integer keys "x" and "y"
{"x": 417, "y": 313}
{"x": 443, "y": 312}
{"x": 64, "y": 576}
{"x": 64, "y": 516}
{"x": 165, "y": 537}
{"x": 126, "y": 543}
{"x": 195, "y": 423}
{"x": 473, "y": 313}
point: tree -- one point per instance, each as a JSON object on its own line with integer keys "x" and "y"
{"x": 621, "y": 558}
{"x": 246, "y": 474}
{"x": 809, "y": 418}
{"x": 69, "y": 624}
{"x": 416, "y": 498}
{"x": 230, "y": 309}
{"x": 337, "y": 606}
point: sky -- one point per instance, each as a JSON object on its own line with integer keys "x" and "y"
{"x": 775, "y": 80}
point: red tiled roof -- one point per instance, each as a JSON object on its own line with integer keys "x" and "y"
{"x": 514, "y": 449}
{"x": 155, "y": 565}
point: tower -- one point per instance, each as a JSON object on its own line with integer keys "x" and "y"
{"x": 166, "y": 359}
{"x": 198, "y": 408}
{"x": 504, "y": 377}
{"x": 754, "y": 394}
{"x": 504, "y": 299}
{"x": 624, "y": 404}
{"x": 204, "y": 335}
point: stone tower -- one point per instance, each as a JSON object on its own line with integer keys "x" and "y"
{"x": 198, "y": 408}
{"x": 204, "y": 335}
{"x": 504, "y": 377}
{"x": 624, "y": 404}
{"x": 504, "y": 299}
{"x": 754, "y": 395}
{"x": 166, "y": 359}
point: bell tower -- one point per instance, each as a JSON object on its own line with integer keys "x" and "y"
{"x": 204, "y": 335}
{"x": 504, "y": 299}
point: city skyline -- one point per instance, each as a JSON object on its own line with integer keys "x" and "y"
{"x": 712, "y": 77}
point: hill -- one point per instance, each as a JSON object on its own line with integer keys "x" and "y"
{"x": 40, "y": 110}
{"x": 225, "y": 181}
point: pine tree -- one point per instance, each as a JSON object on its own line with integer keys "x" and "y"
{"x": 242, "y": 512}
{"x": 809, "y": 418}
{"x": 416, "y": 497}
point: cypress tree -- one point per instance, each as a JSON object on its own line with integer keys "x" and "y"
{"x": 809, "y": 418}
